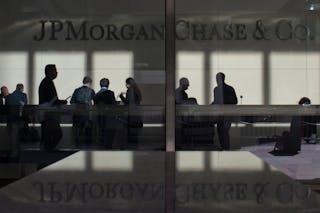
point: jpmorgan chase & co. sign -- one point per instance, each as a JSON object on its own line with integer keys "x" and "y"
{"x": 68, "y": 30}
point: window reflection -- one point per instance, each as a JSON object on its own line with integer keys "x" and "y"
{"x": 117, "y": 66}
{"x": 76, "y": 162}
{"x": 112, "y": 161}
{"x": 294, "y": 75}
{"x": 191, "y": 65}
{"x": 235, "y": 161}
{"x": 190, "y": 161}
{"x": 14, "y": 69}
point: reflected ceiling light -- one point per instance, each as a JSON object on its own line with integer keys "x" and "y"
{"x": 313, "y": 5}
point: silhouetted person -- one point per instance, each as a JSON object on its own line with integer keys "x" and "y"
{"x": 104, "y": 96}
{"x": 224, "y": 94}
{"x": 133, "y": 95}
{"x": 83, "y": 94}
{"x": 16, "y": 101}
{"x": 4, "y": 94}
{"x": 107, "y": 123}
{"x": 16, "y": 119}
{"x": 50, "y": 126}
{"x": 132, "y": 98}
{"x": 82, "y": 97}
{"x": 186, "y": 124}
{"x": 304, "y": 126}
{"x": 3, "y": 110}
{"x": 18, "y": 97}
{"x": 301, "y": 127}
{"x": 47, "y": 90}
{"x": 181, "y": 95}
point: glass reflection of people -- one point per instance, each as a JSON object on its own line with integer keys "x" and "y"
{"x": 132, "y": 98}
{"x": 133, "y": 95}
{"x": 306, "y": 128}
{"x": 224, "y": 94}
{"x": 82, "y": 97}
{"x": 184, "y": 124}
{"x": 51, "y": 132}
{"x": 181, "y": 95}
{"x": 83, "y": 94}
{"x": 3, "y": 110}
{"x": 47, "y": 90}
{"x": 4, "y": 94}
{"x": 104, "y": 96}
{"x": 106, "y": 122}
{"x": 16, "y": 119}
{"x": 18, "y": 97}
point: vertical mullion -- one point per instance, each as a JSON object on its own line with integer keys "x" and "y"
{"x": 170, "y": 106}
{"x": 31, "y": 81}
{"x": 170, "y": 75}
{"x": 266, "y": 78}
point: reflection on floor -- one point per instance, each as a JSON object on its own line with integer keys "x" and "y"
{"x": 29, "y": 161}
{"x": 124, "y": 181}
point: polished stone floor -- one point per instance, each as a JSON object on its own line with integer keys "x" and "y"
{"x": 125, "y": 181}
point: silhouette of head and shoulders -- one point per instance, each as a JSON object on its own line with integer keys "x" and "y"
{"x": 224, "y": 93}
{"x": 83, "y": 94}
{"x": 4, "y": 91}
{"x": 18, "y": 97}
{"x": 51, "y": 72}
{"x": 133, "y": 94}
{"x": 104, "y": 95}
{"x": 181, "y": 95}
{"x": 47, "y": 90}
{"x": 4, "y": 94}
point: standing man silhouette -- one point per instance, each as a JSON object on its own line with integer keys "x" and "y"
{"x": 82, "y": 99}
{"x": 16, "y": 118}
{"x": 51, "y": 132}
{"x": 107, "y": 122}
{"x": 223, "y": 94}
{"x": 132, "y": 97}
{"x": 104, "y": 96}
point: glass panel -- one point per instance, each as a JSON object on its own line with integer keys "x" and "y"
{"x": 94, "y": 181}
{"x": 251, "y": 83}
{"x": 238, "y": 58}
{"x": 230, "y": 181}
{"x": 104, "y": 88}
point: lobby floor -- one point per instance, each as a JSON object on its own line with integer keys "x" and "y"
{"x": 126, "y": 181}
{"x": 302, "y": 166}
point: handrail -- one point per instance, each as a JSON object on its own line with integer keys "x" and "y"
{"x": 181, "y": 110}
